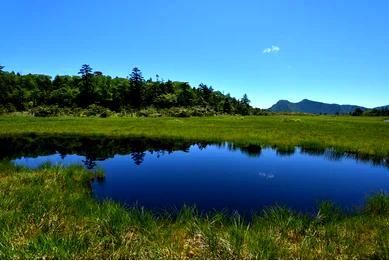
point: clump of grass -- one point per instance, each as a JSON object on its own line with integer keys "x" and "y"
{"x": 328, "y": 212}
{"x": 289, "y": 119}
{"x": 377, "y": 205}
{"x": 48, "y": 212}
{"x": 99, "y": 175}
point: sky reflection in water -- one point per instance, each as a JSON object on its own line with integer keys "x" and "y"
{"x": 217, "y": 177}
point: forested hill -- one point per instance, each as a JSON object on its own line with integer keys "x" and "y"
{"x": 94, "y": 91}
{"x": 307, "y": 106}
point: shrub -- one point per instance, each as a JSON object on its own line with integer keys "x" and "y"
{"x": 179, "y": 112}
{"x": 7, "y": 108}
{"x": 96, "y": 110}
{"x": 45, "y": 111}
{"x": 149, "y": 112}
{"x": 3, "y": 110}
{"x": 201, "y": 111}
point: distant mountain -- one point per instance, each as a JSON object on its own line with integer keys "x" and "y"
{"x": 308, "y": 106}
{"x": 382, "y": 107}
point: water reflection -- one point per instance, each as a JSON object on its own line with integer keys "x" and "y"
{"x": 102, "y": 148}
{"x": 172, "y": 173}
{"x": 89, "y": 163}
{"x": 93, "y": 148}
{"x": 285, "y": 151}
{"x": 138, "y": 157}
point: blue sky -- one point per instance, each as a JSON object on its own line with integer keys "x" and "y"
{"x": 326, "y": 50}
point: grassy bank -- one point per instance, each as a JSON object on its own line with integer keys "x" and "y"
{"x": 49, "y": 213}
{"x": 364, "y": 136}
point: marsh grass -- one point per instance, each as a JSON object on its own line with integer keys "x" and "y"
{"x": 363, "y": 136}
{"x": 48, "y": 212}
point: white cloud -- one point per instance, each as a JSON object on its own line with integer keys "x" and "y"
{"x": 272, "y": 49}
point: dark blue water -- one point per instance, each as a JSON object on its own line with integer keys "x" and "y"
{"x": 218, "y": 177}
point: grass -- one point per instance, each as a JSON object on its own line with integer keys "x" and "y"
{"x": 48, "y": 213}
{"x": 363, "y": 136}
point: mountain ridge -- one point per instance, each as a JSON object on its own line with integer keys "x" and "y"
{"x": 315, "y": 107}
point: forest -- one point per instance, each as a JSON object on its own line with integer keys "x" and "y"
{"x": 91, "y": 93}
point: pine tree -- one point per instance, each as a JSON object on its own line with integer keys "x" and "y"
{"x": 86, "y": 96}
{"x": 136, "y": 88}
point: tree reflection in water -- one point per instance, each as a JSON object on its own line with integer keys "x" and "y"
{"x": 101, "y": 148}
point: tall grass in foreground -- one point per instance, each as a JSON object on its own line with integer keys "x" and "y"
{"x": 49, "y": 213}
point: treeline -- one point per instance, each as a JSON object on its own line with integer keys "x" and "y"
{"x": 377, "y": 112}
{"x": 93, "y": 93}
{"x": 384, "y": 111}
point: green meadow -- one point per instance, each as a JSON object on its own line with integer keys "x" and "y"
{"x": 363, "y": 136}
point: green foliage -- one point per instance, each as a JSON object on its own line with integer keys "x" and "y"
{"x": 45, "y": 111}
{"x": 26, "y": 92}
{"x": 96, "y": 110}
{"x": 377, "y": 112}
{"x": 166, "y": 100}
{"x": 136, "y": 88}
{"x": 357, "y": 112}
{"x": 179, "y": 112}
{"x": 7, "y": 108}
{"x": 86, "y": 86}
{"x": 150, "y": 112}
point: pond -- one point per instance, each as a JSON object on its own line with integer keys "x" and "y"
{"x": 169, "y": 174}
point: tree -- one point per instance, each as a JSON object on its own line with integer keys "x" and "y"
{"x": 245, "y": 100}
{"x": 103, "y": 90}
{"x": 357, "y": 112}
{"x": 205, "y": 94}
{"x": 25, "y": 92}
{"x": 65, "y": 91}
{"x": 168, "y": 87}
{"x": 185, "y": 97}
{"x": 38, "y": 88}
{"x": 244, "y": 105}
{"x": 86, "y": 96}
{"x": 205, "y": 90}
{"x": 227, "y": 106}
{"x": 85, "y": 71}
{"x": 136, "y": 88}
{"x": 166, "y": 100}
